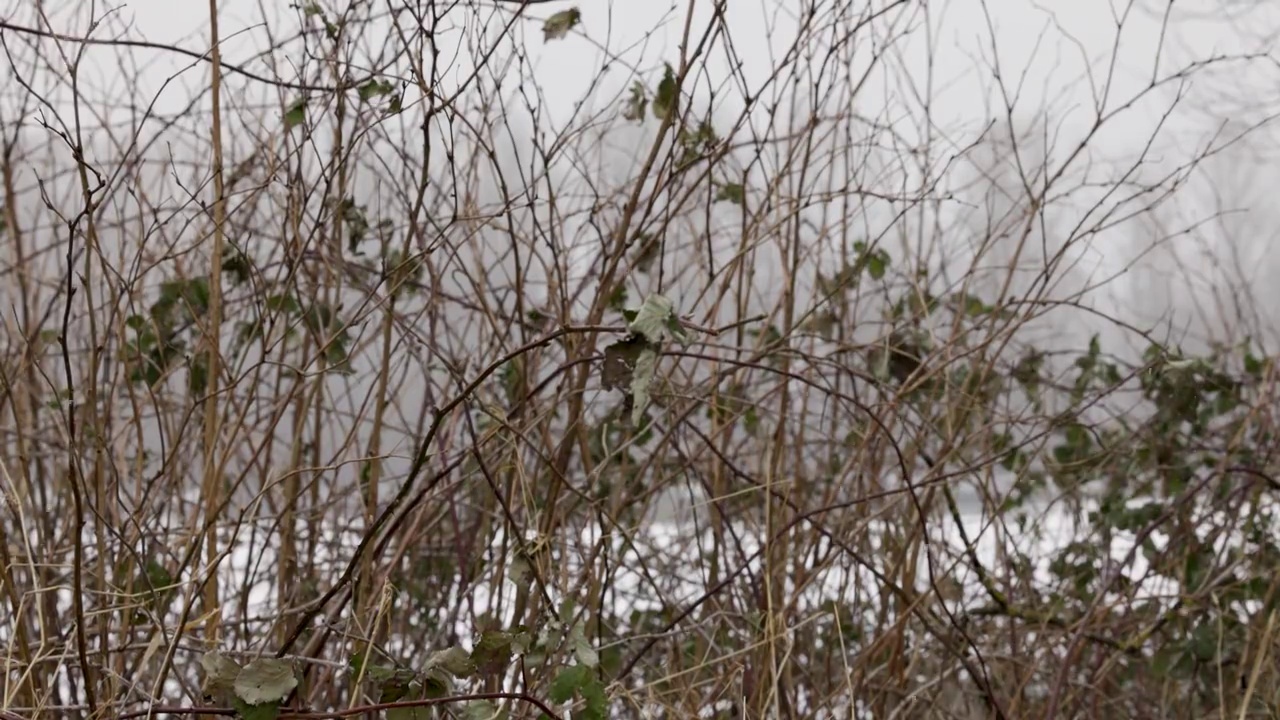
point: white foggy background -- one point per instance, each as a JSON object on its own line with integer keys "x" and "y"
{"x": 1190, "y": 270}
{"x": 1197, "y": 269}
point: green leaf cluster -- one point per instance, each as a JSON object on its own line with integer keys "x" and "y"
{"x": 667, "y": 98}
{"x": 159, "y": 340}
{"x": 255, "y": 690}
{"x": 580, "y": 681}
{"x": 296, "y": 114}
{"x": 630, "y": 364}
{"x": 375, "y": 88}
{"x": 391, "y": 683}
{"x": 558, "y": 25}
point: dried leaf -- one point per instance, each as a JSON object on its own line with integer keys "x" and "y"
{"x": 620, "y": 359}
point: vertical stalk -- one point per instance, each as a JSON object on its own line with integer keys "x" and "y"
{"x": 374, "y": 457}
{"x": 212, "y": 486}
{"x": 92, "y": 428}
{"x": 288, "y": 582}
{"x": 22, "y": 401}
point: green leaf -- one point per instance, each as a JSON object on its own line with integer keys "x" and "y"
{"x": 597, "y": 707}
{"x": 375, "y": 88}
{"x": 393, "y": 684}
{"x": 263, "y": 711}
{"x": 697, "y": 143}
{"x": 356, "y": 220}
{"x": 282, "y": 303}
{"x": 159, "y": 585}
{"x": 265, "y": 680}
{"x": 1203, "y": 643}
{"x": 319, "y": 317}
{"x": 522, "y": 641}
{"x": 403, "y": 273}
{"x": 645, "y": 370}
{"x": 582, "y": 649}
{"x": 189, "y": 298}
{"x": 665, "y": 100}
{"x": 731, "y": 192}
{"x": 637, "y": 356}
{"x": 559, "y": 25}
{"x": 220, "y": 674}
{"x": 972, "y": 305}
{"x": 492, "y": 652}
{"x": 651, "y": 319}
{"x": 198, "y": 375}
{"x": 876, "y": 264}
{"x": 519, "y": 569}
{"x": 567, "y": 682}
{"x": 397, "y": 686}
{"x": 1027, "y": 371}
{"x": 618, "y": 298}
{"x": 611, "y": 660}
{"x": 454, "y": 661}
{"x": 436, "y": 684}
{"x": 236, "y": 264}
{"x": 295, "y": 115}
{"x": 1252, "y": 364}
{"x": 636, "y": 103}
{"x": 1195, "y": 567}
{"x": 566, "y": 610}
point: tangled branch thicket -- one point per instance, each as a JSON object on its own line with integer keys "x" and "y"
{"x": 726, "y": 360}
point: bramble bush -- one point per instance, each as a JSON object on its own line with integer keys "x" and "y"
{"x": 498, "y": 360}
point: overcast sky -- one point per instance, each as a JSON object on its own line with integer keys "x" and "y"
{"x": 1061, "y": 54}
